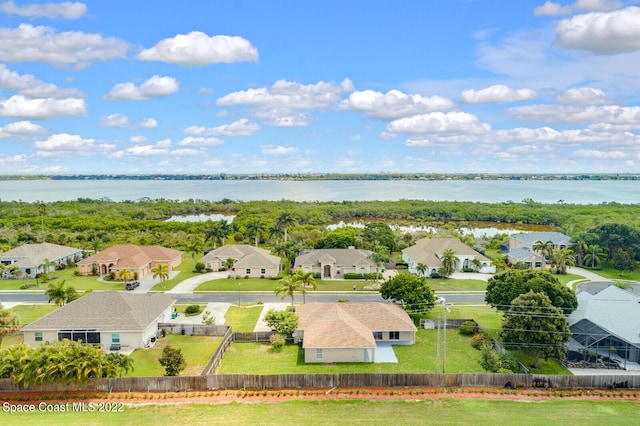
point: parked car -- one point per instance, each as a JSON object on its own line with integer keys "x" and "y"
{"x": 132, "y": 285}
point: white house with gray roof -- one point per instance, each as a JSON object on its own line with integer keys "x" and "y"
{"x": 609, "y": 318}
{"x": 521, "y": 247}
{"x": 335, "y": 262}
{"x": 429, "y": 251}
{"x": 30, "y": 258}
{"x": 116, "y": 320}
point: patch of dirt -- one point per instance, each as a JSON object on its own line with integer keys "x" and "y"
{"x": 373, "y": 394}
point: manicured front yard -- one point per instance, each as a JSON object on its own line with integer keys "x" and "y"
{"x": 257, "y": 358}
{"x": 243, "y": 319}
{"x": 196, "y": 350}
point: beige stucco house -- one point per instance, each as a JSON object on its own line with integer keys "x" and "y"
{"x": 335, "y": 262}
{"x": 249, "y": 261}
{"x": 116, "y": 320}
{"x": 428, "y": 251}
{"x": 30, "y": 258}
{"x": 138, "y": 259}
{"x": 351, "y": 332}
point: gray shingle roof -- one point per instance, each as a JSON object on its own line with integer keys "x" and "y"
{"x": 33, "y": 255}
{"x": 106, "y": 310}
{"x": 532, "y": 237}
{"x": 520, "y": 253}
{"x": 429, "y": 250}
{"x": 254, "y": 256}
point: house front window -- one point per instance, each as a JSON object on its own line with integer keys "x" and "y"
{"x": 115, "y": 338}
{"x": 247, "y": 271}
{"x": 538, "y": 264}
{"x": 394, "y": 335}
{"x": 38, "y": 336}
{"x": 263, "y": 271}
{"x": 377, "y": 335}
{"x": 318, "y": 353}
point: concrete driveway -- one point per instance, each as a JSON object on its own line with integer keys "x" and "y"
{"x": 190, "y": 284}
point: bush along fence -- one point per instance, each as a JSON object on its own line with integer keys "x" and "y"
{"x": 329, "y": 381}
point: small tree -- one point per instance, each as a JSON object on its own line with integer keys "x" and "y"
{"x": 489, "y": 360}
{"x": 161, "y": 270}
{"x": 288, "y": 286}
{"x": 534, "y": 325}
{"x": 172, "y": 360}
{"x": 282, "y": 322}
{"x": 9, "y": 322}
{"x": 208, "y": 319}
{"x": 410, "y": 290}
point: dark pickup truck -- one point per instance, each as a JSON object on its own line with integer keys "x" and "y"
{"x": 132, "y": 285}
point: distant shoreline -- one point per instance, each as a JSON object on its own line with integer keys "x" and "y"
{"x": 332, "y": 176}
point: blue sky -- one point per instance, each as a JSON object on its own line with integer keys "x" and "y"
{"x": 205, "y": 86}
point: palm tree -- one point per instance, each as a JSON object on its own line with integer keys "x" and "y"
{"x": 449, "y": 261}
{"x": 594, "y": 256}
{"x": 544, "y": 248}
{"x": 218, "y": 232}
{"x": 229, "y": 263}
{"x": 255, "y": 228}
{"x": 9, "y": 323}
{"x": 125, "y": 275}
{"x": 379, "y": 256}
{"x": 421, "y": 269}
{"x": 121, "y": 363}
{"x": 285, "y": 219}
{"x": 276, "y": 231}
{"x": 306, "y": 279}
{"x": 194, "y": 246}
{"x": 59, "y": 294}
{"x": 563, "y": 259}
{"x": 477, "y": 264}
{"x": 161, "y": 270}
{"x": 288, "y": 287}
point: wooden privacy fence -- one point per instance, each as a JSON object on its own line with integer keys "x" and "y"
{"x": 259, "y": 336}
{"x": 216, "y": 358}
{"x": 328, "y": 381}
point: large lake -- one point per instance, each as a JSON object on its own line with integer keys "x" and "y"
{"x": 577, "y": 192}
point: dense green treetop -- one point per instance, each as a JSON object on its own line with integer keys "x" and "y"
{"x": 504, "y": 287}
{"x": 410, "y": 290}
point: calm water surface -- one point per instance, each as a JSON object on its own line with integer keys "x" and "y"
{"x": 577, "y": 192}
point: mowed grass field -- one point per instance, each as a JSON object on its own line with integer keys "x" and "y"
{"x": 258, "y": 358}
{"x": 438, "y": 411}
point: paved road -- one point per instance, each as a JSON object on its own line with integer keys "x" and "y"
{"x": 24, "y": 297}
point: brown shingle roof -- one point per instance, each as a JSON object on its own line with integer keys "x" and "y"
{"x": 349, "y": 325}
{"x": 132, "y": 256}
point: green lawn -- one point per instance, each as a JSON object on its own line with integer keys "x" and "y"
{"x": 186, "y": 271}
{"x": 614, "y": 274}
{"x": 258, "y": 358}
{"x": 333, "y": 285}
{"x": 180, "y": 307}
{"x": 441, "y": 411}
{"x": 77, "y": 282}
{"x": 544, "y": 367}
{"x": 243, "y": 319}
{"x": 196, "y": 350}
{"x": 10, "y": 340}
{"x": 30, "y": 313}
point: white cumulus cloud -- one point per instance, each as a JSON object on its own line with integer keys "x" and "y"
{"x": 583, "y": 96}
{"x": 197, "y": 49}
{"x": 597, "y": 5}
{"x": 71, "y": 49}
{"x": 438, "y": 123}
{"x": 602, "y": 33}
{"x": 240, "y": 127}
{"x": 497, "y": 93}
{"x": 64, "y": 145}
{"x": 155, "y": 87}
{"x": 149, "y": 123}
{"x": 278, "y": 150}
{"x": 551, "y": 9}
{"x": 298, "y": 120}
{"x": 393, "y": 104}
{"x": 64, "y": 10}
{"x": 20, "y": 128}
{"x": 115, "y": 120}
{"x": 28, "y": 85}
{"x": 137, "y": 139}
{"x": 23, "y": 107}
{"x": 200, "y": 141}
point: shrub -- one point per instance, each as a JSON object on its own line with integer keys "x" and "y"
{"x": 468, "y": 328}
{"x": 192, "y": 310}
{"x": 508, "y": 361}
{"x": 200, "y": 267}
{"x": 277, "y": 341}
{"x": 434, "y": 274}
{"x": 60, "y": 266}
{"x": 343, "y": 300}
{"x": 480, "y": 341}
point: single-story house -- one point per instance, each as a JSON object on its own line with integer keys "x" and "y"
{"x": 335, "y": 262}
{"x": 429, "y": 251}
{"x": 31, "y": 258}
{"x": 351, "y": 332}
{"x": 137, "y": 259}
{"x": 605, "y": 320}
{"x": 249, "y": 261}
{"x": 116, "y": 320}
{"x": 520, "y": 244}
